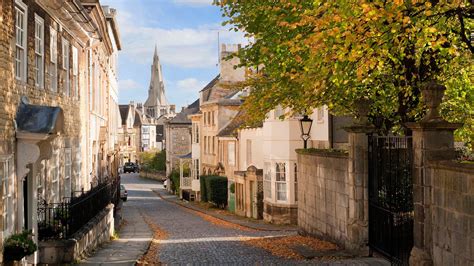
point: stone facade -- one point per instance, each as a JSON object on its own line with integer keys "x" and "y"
{"x": 45, "y": 61}
{"x": 452, "y": 213}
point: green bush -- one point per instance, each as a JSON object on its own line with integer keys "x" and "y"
{"x": 19, "y": 246}
{"x": 232, "y": 188}
{"x": 174, "y": 177}
{"x": 202, "y": 181}
{"x": 215, "y": 190}
{"x": 153, "y": 161}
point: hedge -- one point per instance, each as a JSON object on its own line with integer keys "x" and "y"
{"x": 214, "y": 189}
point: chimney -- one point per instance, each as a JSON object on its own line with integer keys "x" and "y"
{"x": 227, "y": 71}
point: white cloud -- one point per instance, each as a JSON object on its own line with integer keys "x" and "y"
{"x": 190, "y": 84}
{"x": 129, "y": 84}
{"x": 186, "y": 47}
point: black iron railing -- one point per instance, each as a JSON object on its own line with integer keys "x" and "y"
{"x": 391, "y": 197}
{"x": 62, "y": 220}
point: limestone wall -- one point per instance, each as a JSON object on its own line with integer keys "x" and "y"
{"x": 323, "y": 195}
{"x": 452, "y": 213}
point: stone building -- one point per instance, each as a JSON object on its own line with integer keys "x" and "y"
{"x": 129, "y": 135}
{"x": 48, "y": 90}
{"x": 178, "y": 137}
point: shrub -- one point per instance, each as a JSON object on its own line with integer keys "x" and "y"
{"x": 232, "y": 188}
{"x": 174, "y": 177}
{"x": 153, "y": 161}
{"x": 216, "y": 190}
{"x": 19, "y": 246}
{"x": 202, "y": 181}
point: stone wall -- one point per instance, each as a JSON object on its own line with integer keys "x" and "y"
{"x": 452, "y": 213}
{"x": 323, "y": 193}
{"x": 95, "y": 232}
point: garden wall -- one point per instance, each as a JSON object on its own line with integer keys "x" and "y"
{"x": 323, "y": 193}
{"x": 95, "y": 232}
{"x": 452, "y": 212}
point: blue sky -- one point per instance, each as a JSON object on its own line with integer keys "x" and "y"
{"x": 185, "y": 32}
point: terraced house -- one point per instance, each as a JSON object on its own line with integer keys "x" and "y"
{"x": 58, "y": 107}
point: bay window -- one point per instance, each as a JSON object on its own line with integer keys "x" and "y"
{"x": 280, "y": 181}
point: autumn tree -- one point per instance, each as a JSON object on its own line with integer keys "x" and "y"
{"x": 337, "y": 52}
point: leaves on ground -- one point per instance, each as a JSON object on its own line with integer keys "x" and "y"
{"x": 282, "y": 246}
{"x": 219, "y": 222}
{"x": 151, "y": 257}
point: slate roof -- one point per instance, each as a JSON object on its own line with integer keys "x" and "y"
{"x": 38, "y": 118}
{"x": 230, "y": 130}
{"x": 124, "y": 113}
{"x": 182, "y": 117}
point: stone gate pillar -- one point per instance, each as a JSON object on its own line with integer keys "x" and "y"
{"x": 432, "y": 140}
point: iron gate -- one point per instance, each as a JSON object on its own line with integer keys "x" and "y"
{"x": 391, "y": 197}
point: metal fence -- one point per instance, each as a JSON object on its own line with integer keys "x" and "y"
{"x": 391, "y": 197}
{"x": 62, "y": 220}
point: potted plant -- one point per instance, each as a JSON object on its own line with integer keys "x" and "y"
{"x": 18, "y": 246}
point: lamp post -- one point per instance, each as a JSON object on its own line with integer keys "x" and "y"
{"x": 305, "y": 125}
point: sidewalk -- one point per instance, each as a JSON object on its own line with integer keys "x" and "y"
{"x": 243, "y": 221}
{"x": 134, "y": 238}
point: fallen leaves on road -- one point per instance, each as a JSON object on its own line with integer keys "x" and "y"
{"x": 151, "y": 256}
{"x": 281, "y": 246}
{"x": 219, "y": 222}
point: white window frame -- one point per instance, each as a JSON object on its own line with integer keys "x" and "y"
{"x": 39, "y": 52}
{"x": 67, "y": 172}
{"x": 66, "y": 66}
{"x": 7, "y": 179}
{"x": 54, "y": 166}
{"x": 21, "y": 40}
{"x": 281, "y": 188}
{"x": 267, "y": 181}
{"x": 53, "y": 66}
{"x": 75, "y": 71}
{"x": 231, "y": 153}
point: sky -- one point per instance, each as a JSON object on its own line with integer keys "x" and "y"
{"x": 186, "y": 34}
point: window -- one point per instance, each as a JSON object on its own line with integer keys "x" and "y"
{"x": 7, "y": 178}
{"x": 53, "y": 66}
{"x": 39, "y": 52}
{"x": 54, "y": 166}
{"x": 231, "y": 153}
{"x": 267, "y": 181}
{"x": 196, "y": 168}
{"x": 296, "y": 182}
{"x": 213, "y": 145}
{"x": 320, "y": 114}
{"x": 280, "y": 181}
{"x": 195, "y": 133}
{"x": 67, "y": 86}
{"x": 249, "y": 152}
{"x": 67, "y": 172}
{"x": 212, "y": 118}
{"x": 75, "y": 72}
{"x": 145, "y": 130}
{"x": 20, "y": 40}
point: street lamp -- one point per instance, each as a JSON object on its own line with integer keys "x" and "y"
{"x": 305, "y": 125}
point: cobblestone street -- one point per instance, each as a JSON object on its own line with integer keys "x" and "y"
{"x": 194, "y": 240}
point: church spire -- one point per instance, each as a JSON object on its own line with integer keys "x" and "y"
{"x": 156, "y": 91}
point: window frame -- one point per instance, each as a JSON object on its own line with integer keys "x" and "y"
{"x": 39, "y": 52}
{"x": 281, "y": 187}
{"x": 67, "y": 176}
{"x": 53, "y": 58}
{"x": 75, "y": 71}
{"x": 267, "y": 181}
{"x": 8, "y": 185}
{"x": 231, "y": 153}
{"x": 66, "y": 66}
{"x": 55, "y": 172}
{"x": 21, "y": 61}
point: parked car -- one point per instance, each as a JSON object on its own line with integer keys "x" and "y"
{"x": 123, "y": 193}
{"x": 130, "y": 168}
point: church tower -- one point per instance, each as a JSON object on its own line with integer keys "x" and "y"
{"x": 156, "y": 104}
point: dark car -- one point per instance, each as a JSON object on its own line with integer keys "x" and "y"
{"x": 130, "y": 168}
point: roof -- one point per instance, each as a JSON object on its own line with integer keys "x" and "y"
{"x": 186, "y": 156}
{"x": 138, "y": 119}
{"x": 229, "y": 130}
{"x": 124, "y": 113}
{"x": 182, "y": 117}
{"x": 39, "y": 119}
